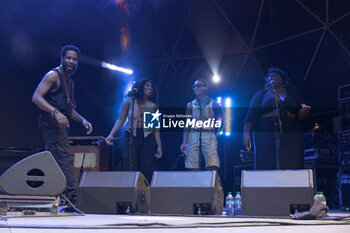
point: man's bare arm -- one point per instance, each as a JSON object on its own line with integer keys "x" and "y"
{"x": 77, "y": 117}
{"x": 49, "y": 83}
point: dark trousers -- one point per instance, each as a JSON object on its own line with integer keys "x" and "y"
{"x": 57, "y": 143}
{"x": 139, "y": 156}
{"x": 290, "y": 151}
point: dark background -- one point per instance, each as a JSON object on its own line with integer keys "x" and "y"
{"x": 173, "y": 42}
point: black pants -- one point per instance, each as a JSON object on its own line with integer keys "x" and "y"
{"x": 140, "y": 155}
{"x": 57, "y": 143}
{"x": 290, "y": 147}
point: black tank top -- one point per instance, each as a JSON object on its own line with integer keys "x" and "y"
{"x": 59, "y": 100}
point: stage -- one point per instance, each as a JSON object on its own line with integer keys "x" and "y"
{"x": 154, "y": 223}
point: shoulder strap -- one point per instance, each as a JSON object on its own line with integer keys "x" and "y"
{"x": 58, "y": 72}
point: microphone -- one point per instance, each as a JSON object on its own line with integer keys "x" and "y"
{"x": 271, "y": 84}
{"x": 132, "y": 92}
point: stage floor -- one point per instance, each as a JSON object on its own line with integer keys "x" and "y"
{"x": 169, "y": 224}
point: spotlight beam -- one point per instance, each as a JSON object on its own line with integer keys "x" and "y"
{"x": 95, "y": 62}
{"x": 117, "y": 68}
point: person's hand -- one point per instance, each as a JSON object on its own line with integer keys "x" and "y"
{"x": 159, "y": 153}
{"x": 303, "y": 111}
{"x": 183, "y": 148}
{"x": 109, "y": 139}
{"x": 62, "y": 120}
{"x": 88, "y": 126}
{"x": 305, "y": 108}
{"x": 247, "y": 141}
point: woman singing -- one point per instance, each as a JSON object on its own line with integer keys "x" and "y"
{"x": 138, "y": 144}
{"x": 274, "y": 115}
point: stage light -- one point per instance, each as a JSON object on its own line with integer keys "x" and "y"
{"x": 228, "y": 116}
{"x": 216, "y": 78}
{"x": 228, "y": 102}
{"x": 117, "y": 68}
{"x": 219, "y": 100}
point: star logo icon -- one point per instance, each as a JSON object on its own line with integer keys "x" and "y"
{"x": 151, "y": 120}
{"x": 156, "y": 115}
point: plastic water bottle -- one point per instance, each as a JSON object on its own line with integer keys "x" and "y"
{"x": 229, "y": 204}
{"x": 319, "y": 197}
{"x": 237, "y": 204}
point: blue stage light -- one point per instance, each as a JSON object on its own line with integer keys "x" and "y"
{"x": 228, "y": 116}
{"x": 219, "y": 100}
{"x": 228, "y": 102}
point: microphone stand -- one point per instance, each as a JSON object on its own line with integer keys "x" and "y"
{"x": 200, "y": 130}
{"x": 82, "y": 166}
{"x": 131, "y": 140}
{"x": 277, "y": 133}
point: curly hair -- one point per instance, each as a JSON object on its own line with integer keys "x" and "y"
{"x": 69, "y": 47}
{"x": 140, "y": 85}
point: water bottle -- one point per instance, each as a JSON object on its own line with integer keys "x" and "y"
{"x": 229, "y": 204}
{"x": 237, "y": 204}
{"x": 319, "y": 197}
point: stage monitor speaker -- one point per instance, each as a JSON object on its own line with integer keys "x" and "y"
{"x": 276, "y": 193}
{"x": 113, "y": 193}
{"x": 187, "y": 192}
{"x": 38, "y": 174}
